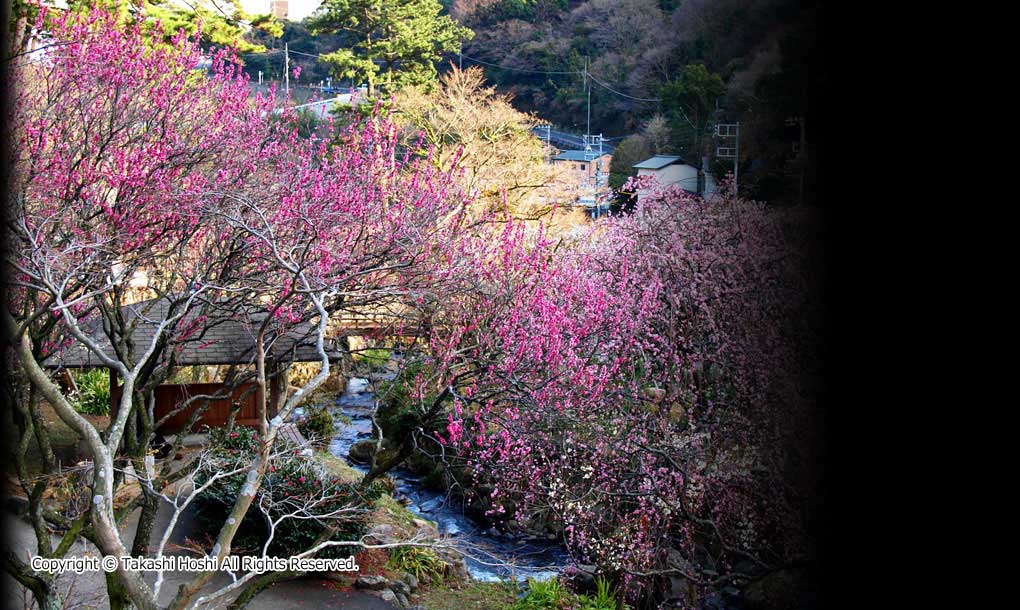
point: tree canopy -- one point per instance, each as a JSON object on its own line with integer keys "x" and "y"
{"x": 388, "y": 42}
{"x": 472, "y": 125}
{"x": 223, "y": 23}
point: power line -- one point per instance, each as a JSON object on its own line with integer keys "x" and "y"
{"x": 640, "y": 99}
{"x": 521, "y": 69}
{"x": 581, "y": 72}
{"x": 505, "y": 67}
{"x": 307, "y": 54}
{"x": 271, "y": 51}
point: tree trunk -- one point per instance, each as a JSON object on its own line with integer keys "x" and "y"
{"x": 378, "y": 469}
{"x": 119, "y": 599}
{"x": 258, "y": 585}
{"x": 150, "y": 506}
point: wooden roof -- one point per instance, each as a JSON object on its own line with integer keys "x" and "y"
{"x": 220, "y": 337}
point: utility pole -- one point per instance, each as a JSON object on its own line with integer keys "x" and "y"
{"x": 286, "y": 68}
{"x": 460, "y": 61}
{"x": 545, "y": 134}
{"x": 730, "y": 130}
{"x": 801, "y": 150}
{"x": 587, "y": 130}
{"x": 736, "y": 162}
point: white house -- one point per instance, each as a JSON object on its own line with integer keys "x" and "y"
{"x": 669, "y": 169}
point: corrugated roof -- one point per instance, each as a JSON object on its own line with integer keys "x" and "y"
{"x": 220, "y": 336}
{"x": 578, "y": 155}
{"x": 658, "y": 162}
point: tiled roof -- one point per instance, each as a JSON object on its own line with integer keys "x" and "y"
{"x": 220, "y": 337}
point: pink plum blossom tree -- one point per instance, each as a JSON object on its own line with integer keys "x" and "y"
{"x": 141, "y": 185}
{"x": 634, "y": 392}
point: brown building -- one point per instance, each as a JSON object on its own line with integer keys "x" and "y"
{"x": 588, "y": 166}
{"x": 278, "y": 8}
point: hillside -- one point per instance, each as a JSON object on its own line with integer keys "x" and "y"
{"x": 762, "y": 60}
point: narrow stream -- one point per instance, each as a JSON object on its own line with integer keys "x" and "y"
{"x": 531, "y": 558}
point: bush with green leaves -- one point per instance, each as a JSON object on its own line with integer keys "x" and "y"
{"x": 294, "y": 485}
{"x": 318, "y": 425}
{"x": 543, "y": 595}
{"x": 424, "y": 563}
{"x": 551, "y": 595}
{"x": 399, "y": 414}
{"x": 604, "y": 599}
{"x": 93, "y": 394}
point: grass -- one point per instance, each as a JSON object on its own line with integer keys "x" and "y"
{"x": 338, "y": 467}
{"x": 395, "y": 513}
{"x": 470, "y": 596}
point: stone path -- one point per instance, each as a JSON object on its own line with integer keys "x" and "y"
{"x": 315, "y": 593}
{"x": 89, "y": 590}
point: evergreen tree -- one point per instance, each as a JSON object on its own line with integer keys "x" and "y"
{"x": 223, "y": 23}
{"x": 390, "y": 42}
{"x": 690, "y": 100}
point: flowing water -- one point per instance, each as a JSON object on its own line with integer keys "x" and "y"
{"x": 530, "y": 558}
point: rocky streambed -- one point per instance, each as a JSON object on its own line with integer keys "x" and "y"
{"x": 490, "y": 554}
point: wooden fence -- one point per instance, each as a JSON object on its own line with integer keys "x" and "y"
{"x": 170, "y": 396}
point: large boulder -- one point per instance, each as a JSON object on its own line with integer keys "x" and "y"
{"x": 400, "y": 587}
{"x": 362, "y": 451}
{"x": 372, "y": 583}
{"x": 382, "y": 534}
{"x": 426, "y": 528}
{"x": 582, "y": 577}
{"x": 455, "y": 564}
{"x": 344, "y": 579}
{"x": 410, "y": 580}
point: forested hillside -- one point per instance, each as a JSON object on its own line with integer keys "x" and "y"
{"x": 754, "y": 61}
{"x": 660, "y": 74}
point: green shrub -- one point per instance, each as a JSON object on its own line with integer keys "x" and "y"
{"x": 93, "y": 395}
{"x": 291, "y": 480}
{"x": 399, "y": 415}
{"x": 544, "y": 595}
{"x": 604, "y": 599}
{"x": 372, "y": 356}
{"x": 550, "y": 595}
{"x": 318, "y": 425}
{"x": 435, "y": 478}
{"x": 424, "y": 563}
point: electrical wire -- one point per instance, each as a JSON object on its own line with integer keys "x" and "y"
{"x": 502, "y": 67}
{"x": 620, "y": 93}
{"x": 511, "y": 68}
